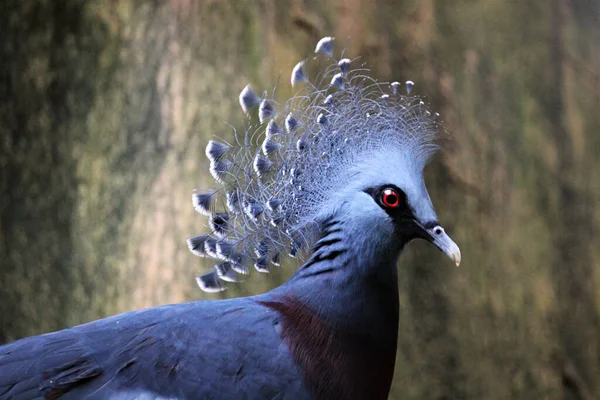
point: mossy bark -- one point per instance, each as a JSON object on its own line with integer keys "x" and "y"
{"x": 106, "y": 108}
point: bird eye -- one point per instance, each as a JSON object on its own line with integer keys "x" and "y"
{"x": 390, "y": 198}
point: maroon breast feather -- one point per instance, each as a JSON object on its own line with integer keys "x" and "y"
{"x": 337, "y": 363}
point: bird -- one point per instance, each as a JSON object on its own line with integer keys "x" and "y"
{"x": 331, "y": 179}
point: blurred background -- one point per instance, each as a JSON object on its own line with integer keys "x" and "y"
{"x": 106, "y": 106}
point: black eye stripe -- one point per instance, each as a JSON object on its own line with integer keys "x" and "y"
{"x": 401, "y": 211}
{"x": 377, "y": 192}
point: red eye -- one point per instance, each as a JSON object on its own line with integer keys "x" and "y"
{"x": 390, "y": 198}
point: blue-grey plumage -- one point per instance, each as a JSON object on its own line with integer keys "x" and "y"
{"x": 203, "y": 350}
{"x": 265, "y": 110}
{"x": 328, "y": 333}
{"x": 344, "y": 65}
{"x": 341, "y": 184}
{"x": 325, "y": 46}
{"x": 248, "y": 99}
{"x": 298, "y": 74}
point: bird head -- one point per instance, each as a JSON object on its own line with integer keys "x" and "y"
{"x": 344, "y": 146}
{"x": 385, "y": 196}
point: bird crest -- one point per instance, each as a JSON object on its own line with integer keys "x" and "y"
{"x": 274, "y": 178}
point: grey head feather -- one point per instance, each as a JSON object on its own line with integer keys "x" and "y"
{"x": 291, "y": 123}
{"x": 225, "y": 250}
{"x": 328, "y": 100}
{"x": 275, "y": 260}
{"x": 338, "y": 81}
{"x": 248, "y": 99}
{"x": 299, "y": 74}
{"x": 344, "y": 65}
{"x": 276, "y": 221}
{"x": 274, "y": 204}
{"x": 265, "y": 111}
{"x": 325, "y": 46}
{"x": 269, "y": 146}
{"x": 226, "y": 272}
{"x": 210, "y": 282}
{"x": 216, "y": 150}
{"x": 196, "y": 245}
{"x": 385, "y": 98}
{"x": 218, "y": 223}
{"x": 210, "y": 247}
{"x": 272, "y": 129}
{"x": 232, "y": 200}
{"x": 262, "y": 249}
{"x": 262, "y": 264}
{"x": 253, "y": 209}
{"x": 301, "y": 145}
{"x": 219, "y": 169}
{"x": 322, "y": 119}
{"x": 262, "y": 165}
{"x": 202, "y": 202}
{"x": 240, "y": 268}
{"x": 273, "y": 183}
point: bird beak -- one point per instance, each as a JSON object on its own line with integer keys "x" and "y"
{"x": 440, "y": 238}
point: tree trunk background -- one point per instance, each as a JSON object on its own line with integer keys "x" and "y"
{"x": 105, "y": 109}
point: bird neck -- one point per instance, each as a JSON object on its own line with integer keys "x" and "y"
{"x": 340, "y": 317}
{"x": 350, "y": 280}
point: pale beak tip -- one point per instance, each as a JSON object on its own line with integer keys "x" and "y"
{"x": 443, "y": 242}
{"x": 456, "y": 256}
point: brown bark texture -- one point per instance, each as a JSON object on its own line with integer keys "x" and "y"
{"x": 105, "y": 109}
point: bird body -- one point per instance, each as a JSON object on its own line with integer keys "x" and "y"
{"x": 282, "y": 344}
{"x": 202, "y": 350}
{"x": 342, "y": 183}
